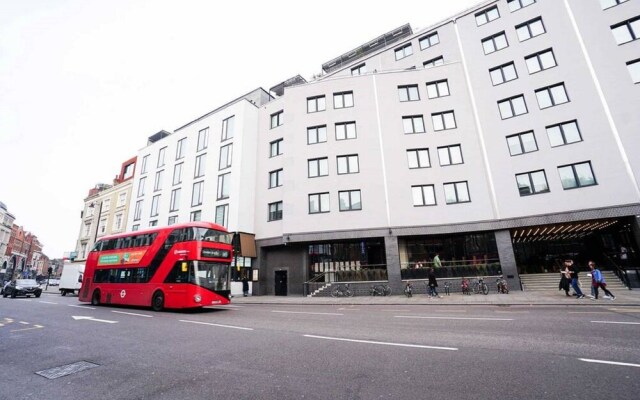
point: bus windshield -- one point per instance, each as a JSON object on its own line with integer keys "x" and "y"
{"x": 213, "y": 276}
{"x": 212, "y": 235}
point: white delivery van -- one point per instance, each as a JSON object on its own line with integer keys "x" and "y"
{"x": 71, "y": 278}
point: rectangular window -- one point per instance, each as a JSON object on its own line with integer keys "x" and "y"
{"x": 195, "y": 216}
{"x": 172, "y": 220}
{"x": 515, "y": 5}
{"x": 418, "y": 158}
{"x": 408, "y": 93}
{"x": 275, "y": 148}
{"x": 161, "y": 154}
{"x": 433, "y": 62}
{"x": 450, "y": 155}
{"x": 343, "y": 100}
{"x": 318, "y": 203}
{"x": 503, "y": 73}
{"x": 316, "y": 104}
{"x": 611, "y": 3}
{"x": 275, "y": 178}
{"x": 350, "y": 200}
{"x": 228, "y": 126}
{"x": 430, "y": 40}
{"x": 177, "y": 174}
{"x": 488, "y": 15}
{"x": 359, "y": 70}
{"x": 532, "y": 183}
{"x": 413, "y": 124}
{"x": 423, "y": 195}
{"x": 155, "y": 202}
{"x": 203, "y": 139}
{"x": 174, "y": 204}
{"x": 201, "y": 162}
{"x": 348, "y": 164}
{"x": 122, "y": 199}
{"x": 181, "y": 148}
{"x": 437, "y": 89}
{"x": 135, "y": 227}
{"x": 137, "y": 214}
{"x": 117, "y": 222}
{"x": 317, "y": 134}
{"x": 626, "y": 31}
{"x": 634, "y": 70}
{"x": 143, "y": 168}
{"x": 345, "y": 130}
{"x": 224, "y": 183}
{"x": 444, "y": 120}
{"x": 158, "y": 183}
{"x": 318, "y": 167}
{"x": 456, "y": 192}
{"x": 222, "y": 215}
{"x": 494, "y": 43}
{"x": 404, "y": 51}
{"x": 552, "y": 96}
{"x": 540, "y": 61}
{"x": 564, "y": 133}
{"x": 276, "y": 119}
{"x": 226, "y": 153}
{"x": 512, "y": 107}
{"x": 521, "y": 143}
{"x": 106, "y": 205}
{"x": 275, "y": 211}
{"x": 530, "y": 29}
{"x": 577, "y": 175}
{"x": 196, "y": 194}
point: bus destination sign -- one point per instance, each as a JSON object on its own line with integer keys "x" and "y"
{"x": 214, "y": 253}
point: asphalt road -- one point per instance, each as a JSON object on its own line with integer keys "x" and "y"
{"x": 266, "y": 351}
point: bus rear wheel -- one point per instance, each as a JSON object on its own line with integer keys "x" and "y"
{"x": 157, "y": 302}
{"x": 95, "y": 298}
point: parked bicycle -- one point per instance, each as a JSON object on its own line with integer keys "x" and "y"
{"x": 480, "y": 287}
{"x": 342, "y": 291}
{"x": 380, "y": 290}
{"x": 502, "y": 285}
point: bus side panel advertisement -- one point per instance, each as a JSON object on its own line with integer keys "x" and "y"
{"x": 122, "y": 258}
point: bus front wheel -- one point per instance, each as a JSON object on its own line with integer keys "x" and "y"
{"x": 95, "y": 298}
{"x": 157, "y": 302}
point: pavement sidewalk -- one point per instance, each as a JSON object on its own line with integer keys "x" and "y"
{"x": 551, "y": 297}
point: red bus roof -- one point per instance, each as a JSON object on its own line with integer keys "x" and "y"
{"x": 196, "y": 224}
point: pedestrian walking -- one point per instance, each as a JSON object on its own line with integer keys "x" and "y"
{"x": 433, "y": 284}
{"x": 597, "y": 282}
{"x": 565, "y": 280}
{"x": 575, "y": 283}
{"x": 245, "y": 285}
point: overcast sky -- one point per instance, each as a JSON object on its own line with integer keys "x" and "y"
{"x": 83, "y": 83}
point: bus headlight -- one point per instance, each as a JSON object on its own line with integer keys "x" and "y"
{"x": 197, "y": 298}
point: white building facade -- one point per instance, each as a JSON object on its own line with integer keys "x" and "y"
{"x": 499, "y": 139}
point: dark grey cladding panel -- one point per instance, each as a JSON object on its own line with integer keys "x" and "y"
{"x": 598, "y": 213}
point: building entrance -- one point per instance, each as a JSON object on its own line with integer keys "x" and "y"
{"x": 540, "y": 249}
{"x": 281, "y": 283}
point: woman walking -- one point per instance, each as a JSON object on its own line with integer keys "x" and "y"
{"x": 598, "y": 282}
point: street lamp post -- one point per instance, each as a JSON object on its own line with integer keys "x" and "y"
{"x": 95, "y": 237}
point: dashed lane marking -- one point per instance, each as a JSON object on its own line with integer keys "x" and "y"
{"x": 455, "y": 318}
{"x": 47, "y": 302}
{"x": 609, "y": 362}
{"x": 419, "y": 346}
{"x": 134, "y": 314}
{"x": 87, "y": 307}
{"x": 218, "y": 325}
{"x": 304, "y": 312}
{"x": 616, "y": 322}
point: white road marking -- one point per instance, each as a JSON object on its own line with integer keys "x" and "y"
{"x": 28, "y": 329}
{"x": 24, "y": 323}
{"x": 232, "y": 306}
{"x": 47, "y": 302}
{"x": 75, "y": 305}
{"x": 419, "y": 346}
{"x": 626, "y": 310}
{"x": 616, "y": 322}
{"x": 609, "y": 362}
{"x": 130, "y": 313}
{"x": 304, "y": 312}
{"x": 94, "y": 319}
{"x": 222, "y": 326}
{"x": 455, "y": 318}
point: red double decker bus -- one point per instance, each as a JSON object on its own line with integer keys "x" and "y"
{"x": 179, "y": 266}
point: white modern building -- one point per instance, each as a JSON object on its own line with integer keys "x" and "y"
{"x": 503, "y": 139}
